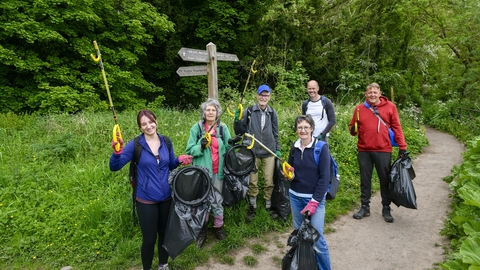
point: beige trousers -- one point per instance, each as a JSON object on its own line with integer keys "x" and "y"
{"x": 268, "y": 166}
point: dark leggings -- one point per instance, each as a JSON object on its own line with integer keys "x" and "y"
{"x": 153, "y": 221}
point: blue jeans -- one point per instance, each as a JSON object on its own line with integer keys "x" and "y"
{"x": 317, "y": 220}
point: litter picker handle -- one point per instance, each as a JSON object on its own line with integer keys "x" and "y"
{"x": 285, "y": 166}
{"x": 116, "y": 133}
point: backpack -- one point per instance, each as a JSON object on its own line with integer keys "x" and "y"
{"x": 334, "y": 176}
{"x": 304, "y": 105}
{"x": 199, "y": 135}
{"x": 137, "y": 151}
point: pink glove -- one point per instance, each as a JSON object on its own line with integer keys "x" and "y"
{"x": 120, "y": 141}
{"x": 310, "y": 208}
{"x": 185, "y": 159}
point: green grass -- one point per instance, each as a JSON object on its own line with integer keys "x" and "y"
{"x": 60, "y": 204}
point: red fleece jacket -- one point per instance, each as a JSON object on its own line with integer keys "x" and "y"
{"x": 372, "y": 134}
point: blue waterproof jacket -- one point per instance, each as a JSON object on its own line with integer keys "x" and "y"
{"x": 152, "y": 183}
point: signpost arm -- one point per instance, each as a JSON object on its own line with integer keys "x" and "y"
{"x": 212, "y": 71}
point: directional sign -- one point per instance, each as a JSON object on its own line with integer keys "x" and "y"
{"x": 226, "y": 57}
{"x": 209, "y": 56}
{"x": 194, "y": 55}
{"x": 192, "y": 71}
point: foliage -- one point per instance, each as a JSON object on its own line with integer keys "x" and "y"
{"x": 423, "y": 50}
{"x": 45, "y": 62}
{"x": 463, "y": 225}
{"x": 453, "y": 117}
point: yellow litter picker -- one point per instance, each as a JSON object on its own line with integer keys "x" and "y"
{"x": 240, "y": 106}
{"x": 285, "y": 166}
{"x": 116, "y": 133}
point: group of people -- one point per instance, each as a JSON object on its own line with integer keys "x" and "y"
{"x": 308, "y": 179}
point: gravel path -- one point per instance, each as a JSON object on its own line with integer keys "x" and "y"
{"x": 412, "y": 241}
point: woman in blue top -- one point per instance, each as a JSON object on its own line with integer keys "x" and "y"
{"x": 153, "y": 196}
{"x": 309, "y": 184}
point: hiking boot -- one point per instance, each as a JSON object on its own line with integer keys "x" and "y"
{"x": 273, "y": 213}
{"x": 202, "y": 236}
{"x": 363, "y": 212}
{"x": 386, "y": 214}
{"x": 250, "y": 213}
{"x": 220, "y": 233}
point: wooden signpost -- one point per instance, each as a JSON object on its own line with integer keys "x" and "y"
{"x": 209, "y": 56}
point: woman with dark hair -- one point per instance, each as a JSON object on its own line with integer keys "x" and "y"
{"x": 308, "y": 187}
{"x": 153, "y": 195}
{"x": 211, "y": 156}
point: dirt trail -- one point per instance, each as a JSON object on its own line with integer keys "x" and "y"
{"x": 412, "y": 241}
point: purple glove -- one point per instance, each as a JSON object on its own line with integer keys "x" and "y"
{"x": 185, "y": 159}
{"x": 120, "y": 141}
{"x": 310, "y": 208}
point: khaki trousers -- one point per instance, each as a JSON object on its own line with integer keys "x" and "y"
{"x": 268, "y": 166}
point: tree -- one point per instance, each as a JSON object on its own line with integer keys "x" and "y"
{"x": 45, "y": 60}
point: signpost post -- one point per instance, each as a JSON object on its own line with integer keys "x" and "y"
{"x": 209, "y": 56}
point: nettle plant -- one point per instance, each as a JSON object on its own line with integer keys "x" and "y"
{"x": 463, "y": 224}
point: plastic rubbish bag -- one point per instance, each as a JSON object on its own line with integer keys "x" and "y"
{"x": 302, "y": 255}
{"x": 192, "y": 195}
{"x": 280, "y": 198}
{"x": 235, "y": 188}
{"x": 239, "y": 163}
{"x": 402, "y": 192}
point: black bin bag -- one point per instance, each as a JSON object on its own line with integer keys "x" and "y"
{"x": 280, "y": 197}
{"x": 302, "y": 255}
{"x": 402, "y": 192}
{"x": 192, "y": 195}
{"x": 239, "y": 163}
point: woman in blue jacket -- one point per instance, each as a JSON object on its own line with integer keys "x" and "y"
{"x": 153, "y": 195}
{"x": 309, "y": 184}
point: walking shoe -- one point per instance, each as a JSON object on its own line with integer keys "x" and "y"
{"x": 202, "y": 236}
{"x": 363, "y": 212}
{"x": 273, "y": 213}
{"x": 163, "y": 267}
{"x": 386, "y": 214}
{"x": 220, "y": 233}
{"x": 250, "y": 213}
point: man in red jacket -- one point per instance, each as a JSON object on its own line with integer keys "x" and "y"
{"x": 374, "y": 146}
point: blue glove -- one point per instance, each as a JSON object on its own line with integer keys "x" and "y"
{"x": 237, "y": 114}
{"x": 278, "y": 153}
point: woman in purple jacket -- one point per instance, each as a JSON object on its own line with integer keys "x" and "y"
{"x": 153, "y": 195}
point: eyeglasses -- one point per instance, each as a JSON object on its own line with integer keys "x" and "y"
{"x": 264, "y": 96}
{"x": 303, "y": 128}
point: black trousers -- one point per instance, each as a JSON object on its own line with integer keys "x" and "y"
{"x": 153, "y": 222}
{"x": 382, "y": 163}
